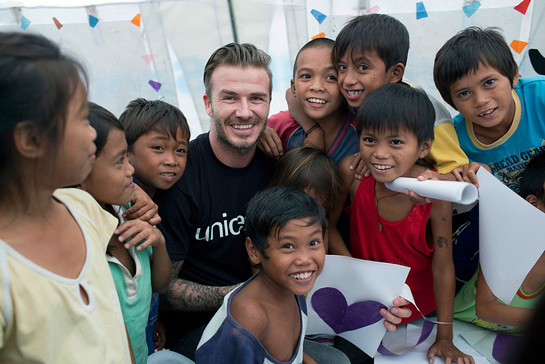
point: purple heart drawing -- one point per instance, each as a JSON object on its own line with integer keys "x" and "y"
{"x": 330, "y": 304}
{"x": 503, "y": 346}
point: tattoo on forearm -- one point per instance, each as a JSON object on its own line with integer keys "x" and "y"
{"x": 184, "y": 295}
{"x": 442, "y": 242}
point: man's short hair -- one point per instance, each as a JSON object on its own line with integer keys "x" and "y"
{"x": 141, "y": 116}
{"x": 466, "y": 51}
{"x": 381, "y": 33}
{"x": 236, "y": 54}
{"x": 270, "y": 210}
{"x": 398, "y": 105}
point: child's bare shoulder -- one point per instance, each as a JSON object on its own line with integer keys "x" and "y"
{"x": 250, "y": 313}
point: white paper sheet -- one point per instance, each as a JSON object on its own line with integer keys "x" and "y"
{"x": 454, "y": 191}
{"x": 410, "y": 333}
{"x": 511, "y": 237}
{"x": 358, "y": 280}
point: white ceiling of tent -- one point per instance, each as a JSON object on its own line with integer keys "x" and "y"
{"x": 182, "y": 34}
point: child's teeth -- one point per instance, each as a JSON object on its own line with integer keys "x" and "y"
{"x": 316, "y": 101}
{"x": 301, "y": 275}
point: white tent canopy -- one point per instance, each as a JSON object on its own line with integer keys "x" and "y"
{"x": 169, "y": 43}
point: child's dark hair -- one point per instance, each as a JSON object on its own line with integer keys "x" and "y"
{"x": 37, "y": 83}
{"x": 102, "y": 121}
{"x": 381, "y": 33}
{"x": 397, "y": 105}
{"x": 531, "y": 181}
{"x": 270, "y": 210}
{"x": 466, "y": 51}
{"x": 314, "y": 43}
{"x": 309, "y": 169}
{"x": 141, "y": 116}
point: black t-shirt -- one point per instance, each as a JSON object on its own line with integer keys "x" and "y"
{"x": 203, "y": 215}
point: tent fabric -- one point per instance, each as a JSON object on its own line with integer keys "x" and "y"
{"x": 163, "y": 55}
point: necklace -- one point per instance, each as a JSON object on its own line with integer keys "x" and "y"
{"x": 377, "y": 200}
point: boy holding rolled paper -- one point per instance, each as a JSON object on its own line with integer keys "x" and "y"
{"x": 385, "y": 225}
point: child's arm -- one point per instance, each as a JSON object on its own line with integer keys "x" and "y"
{"x": 444, "y": 283}
{"x": 142, "y": 208}
{"x": 269, "y": 142}
{"x": 337, "y": 245}
{"x": 488, "y": 308}
{"x": 314, "y": 135}
{"x": 134, "y": 232}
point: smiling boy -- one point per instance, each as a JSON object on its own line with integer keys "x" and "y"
{"x": 371, "y": 51}
{"x": 315, "y": 100}
{"x": 501, "y": 121}
{"x": 264, "y": 320}
{"x": 157, "y": 136}
{"x": 386, "y": 226}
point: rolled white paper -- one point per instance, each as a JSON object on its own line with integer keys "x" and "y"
{"x": 463, "y": 193}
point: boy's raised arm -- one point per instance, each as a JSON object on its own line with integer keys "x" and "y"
{"x": 444, "y": 284}
{"x": 337, "y": 244}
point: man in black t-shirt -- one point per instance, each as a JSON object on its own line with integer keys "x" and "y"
{"x": 203, "y": 214}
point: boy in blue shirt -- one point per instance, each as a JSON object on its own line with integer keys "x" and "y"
{"x": 501, "y": 122}
{"x": 264, "y": 320}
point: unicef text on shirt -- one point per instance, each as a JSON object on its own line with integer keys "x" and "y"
{"x": 221, "y": 229}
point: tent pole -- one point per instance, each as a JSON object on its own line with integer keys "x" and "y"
{"x": 233, "y": 24}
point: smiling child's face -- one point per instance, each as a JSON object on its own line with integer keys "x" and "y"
{"x": 361, "y": 73}
{"x": 315, "y": 84}
{"x": 110, "y": 181}
{"x": 484, "y": 98}
{"x": 296, "y": 256}
{"x": 390, "y": 154}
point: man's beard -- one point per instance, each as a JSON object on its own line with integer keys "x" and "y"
{"x": 223, "y": 139}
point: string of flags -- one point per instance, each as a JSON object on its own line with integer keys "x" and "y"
{"x": 469, "y": 10}
{"x": 93, "y": 19}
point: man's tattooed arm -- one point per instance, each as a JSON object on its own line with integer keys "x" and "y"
{"x": 184, "y": 295}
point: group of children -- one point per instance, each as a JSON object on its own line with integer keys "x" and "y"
{"x": 347, "y": 98}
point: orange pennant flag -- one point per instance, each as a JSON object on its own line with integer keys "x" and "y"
{"x": 320, "y": 35}
{"x": 518, "y": 45}
{"x": 57, "y": 23}
{"x": 136, "y": 20}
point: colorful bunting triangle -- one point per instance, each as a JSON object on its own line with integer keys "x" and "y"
{"x": 523, "y": 6}
{"x": 148, "y": 58}
{"x": 318, "y": 15}
{"x": 155, "y": 85}
{"x": 93, "y": 21}
{"x": 319, "y": 35}
{"x": 136, "y": 20}
{"x": 518, "y": 45}
{"x": 470, "y": 9}
{"x": 421, "y": 10}
{"x": 24, "y": 22}
{"x": 57, "y": 23}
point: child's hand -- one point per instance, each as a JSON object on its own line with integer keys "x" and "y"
{"x": 308, "y": 360}
{"x": 142, "y": 208}
{"x": 360, "y": 169}
{"x": 448, "y": 352}
{"x": 415, "y": 198}
{"x": 270, "y": 143}
{"x": 133, "y": 232}
{"x": 396, "y": 313}
{"x": 159, "y": 336}
{"x": 468, "y": 172}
